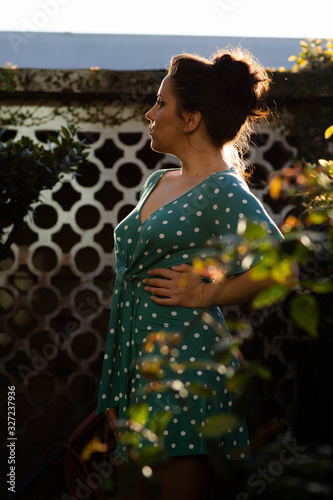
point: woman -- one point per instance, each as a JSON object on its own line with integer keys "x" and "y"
{"x": 203, "y": 116}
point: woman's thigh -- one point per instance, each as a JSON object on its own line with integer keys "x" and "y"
{"x": 183, "y": 478}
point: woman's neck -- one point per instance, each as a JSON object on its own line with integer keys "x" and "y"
{"x": 196, "y": 164}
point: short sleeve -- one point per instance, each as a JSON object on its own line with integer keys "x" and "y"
{"x": 232, "y": 201}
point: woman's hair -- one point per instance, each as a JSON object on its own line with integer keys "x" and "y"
{"x": 229, "y": 90}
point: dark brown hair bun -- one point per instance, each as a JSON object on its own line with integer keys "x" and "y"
{"x": 229, "y": 89}
{"x": 245, "y": 82}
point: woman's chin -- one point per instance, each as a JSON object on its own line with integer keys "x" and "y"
{"x": 154, "y": 146}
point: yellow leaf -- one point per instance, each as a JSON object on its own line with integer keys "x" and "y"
{"x": 95, "y": 445}
{"x": 303, "y": 44}
{"x": 283, "y": 272}
{"x": 291, "y": 222}
{"x": 323, "y": 163}
{"x": 317, "y": 217}
{"x": 275, "y": 187}
{"x": 292, "y": 58}
{"x": 328, "y": 132}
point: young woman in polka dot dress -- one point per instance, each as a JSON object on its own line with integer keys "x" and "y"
{"x": 204, "y": 109}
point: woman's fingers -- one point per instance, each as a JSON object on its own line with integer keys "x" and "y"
{"x": 155, "y": 282}
{"x": 165, "y": 273}
{"x": 163, "y": 302}
{"x": 182, "y": 268}
{"x": 165, "y": 292}
{"x": 175, "y": 286}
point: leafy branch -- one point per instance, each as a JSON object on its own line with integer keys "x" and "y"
{"x": 26, "y": 169}
{"x": 314, "y": 55}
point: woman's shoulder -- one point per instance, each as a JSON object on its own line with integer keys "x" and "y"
{"x": 155, "y": 177}
{"x": 229, "y": 178}
{"x": 228, "y": 189}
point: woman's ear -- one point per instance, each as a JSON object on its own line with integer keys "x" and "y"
{"x": 191, "y": 121}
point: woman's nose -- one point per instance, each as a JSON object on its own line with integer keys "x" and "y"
{"x": 149, "y": 114}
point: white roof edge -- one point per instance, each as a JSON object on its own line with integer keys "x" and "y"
{"x": 128, "y": 51}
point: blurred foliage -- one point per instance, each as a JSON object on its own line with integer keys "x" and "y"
{"x": 284, "y": 469}
{"x": 304, "y": 96}
{"x": 315, "y": 54}
{"x": 7, "y": 78}
{"x": 28, "y": 168}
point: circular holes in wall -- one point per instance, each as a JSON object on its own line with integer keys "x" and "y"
{"x": 6, "y": 344}
{"x": 22, "y": 320}
{"x": 87, "y": 259}
{"x": 87, "y": 175}
{"x": 44, "y": 301}
{"x": 86, "y": 303}
{"x": 129, "y": 175}
{"x": 23, "y": 279}
{"x": 8, "y": 262}
{"x": 45, "y": 216}
{"x": 87, "y": 217}
{"x": 84, "y": 345}
{"x": 41, "y": 388}
{"x": 44, "y": 259}
{"x": 7, "y": 300}
{"x": 82, "y": 387}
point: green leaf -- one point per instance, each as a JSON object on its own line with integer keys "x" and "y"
{"x": 149, "y": 454}
{"x": 293, "y": 247}
{"x": 139, "y": 413}
{"x": 53, "y": 138}
{"x": 317, "y": 217}
{"x": 159, "y": 421}
{"x": 219, "y": 424}
{"x": 200, "y": 389}
{"x": 259, "y": 370}
{"x": 223, "y": 352}
{"x": 251, "y": 231}
{"x": 283, "y": 271}
{"x": 65, "y": 133}
{"x": 324, "y": 285}
{"x": 130, "y": 439}
{"x": 269, "y": 296}
{"x": 304, "y": 311}
{"x": 240, "y": 378}
{"x": 259, "y": 272}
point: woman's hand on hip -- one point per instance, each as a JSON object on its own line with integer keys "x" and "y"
{"x": 178, "y": 286}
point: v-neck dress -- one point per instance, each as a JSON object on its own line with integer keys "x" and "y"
{"x": 174, "y": 234}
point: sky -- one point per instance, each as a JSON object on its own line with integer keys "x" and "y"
{"x": 248, "y": 18}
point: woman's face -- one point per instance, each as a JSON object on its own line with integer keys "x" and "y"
{"x": 166, "y": 126}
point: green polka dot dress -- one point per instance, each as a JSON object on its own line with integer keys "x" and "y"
{"x": 174, "y": 234}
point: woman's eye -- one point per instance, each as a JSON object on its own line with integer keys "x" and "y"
{"x": 160, "y": 103}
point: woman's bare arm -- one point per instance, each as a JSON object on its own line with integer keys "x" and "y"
{"x": 112, "y": 416}
{"x": 179, "y": 286}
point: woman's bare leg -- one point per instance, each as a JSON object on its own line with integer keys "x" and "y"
{"x": 183, "y": 478}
